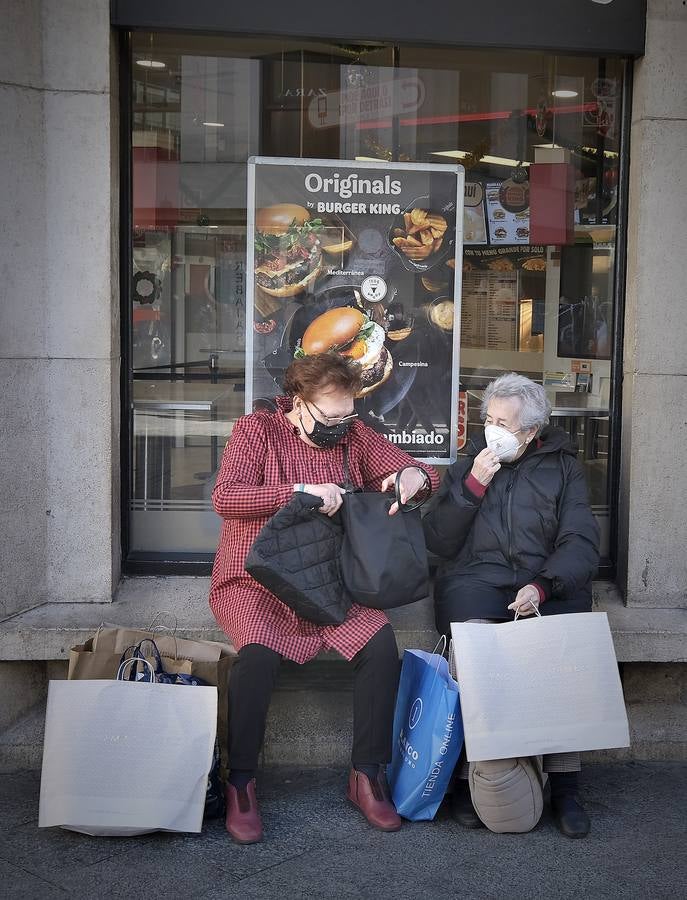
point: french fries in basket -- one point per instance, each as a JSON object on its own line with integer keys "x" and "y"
{"x": 423, "y": 234}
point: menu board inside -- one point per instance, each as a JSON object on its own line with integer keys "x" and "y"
{"x": 496, "y": 283}
{"x": 508, "y": 211}
{"x": 489, "y": 312}
{"x": 362, "y": 259}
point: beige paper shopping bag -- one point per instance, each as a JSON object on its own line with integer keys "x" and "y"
{"x": 87, "y": 663}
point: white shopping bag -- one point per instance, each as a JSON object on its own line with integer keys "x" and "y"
{"x": 539, "y": 685}
{"x": 126, "y": 757}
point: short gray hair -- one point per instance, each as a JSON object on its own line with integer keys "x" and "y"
{"x": 535, "y": 408}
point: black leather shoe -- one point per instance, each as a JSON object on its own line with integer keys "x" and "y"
{"x": 570, "y": 816}
{"x": 462, "y": 810}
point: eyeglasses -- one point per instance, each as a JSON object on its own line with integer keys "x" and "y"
{"x": 330, "y": 420}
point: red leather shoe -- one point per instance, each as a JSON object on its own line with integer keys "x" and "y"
{"x": 373, "y": 801}
{"x": 243, "y": 817}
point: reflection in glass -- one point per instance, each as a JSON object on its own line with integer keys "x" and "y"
{"x": 544, "y": 311}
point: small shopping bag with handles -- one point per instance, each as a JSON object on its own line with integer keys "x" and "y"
{"x": 428, "y": 735}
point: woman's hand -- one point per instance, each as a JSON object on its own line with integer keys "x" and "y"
{"x": 485, "y": 466}
{"x": 526, "y": 601}
{"x": 330, "y": 493}
{"x": 413, "y": 479}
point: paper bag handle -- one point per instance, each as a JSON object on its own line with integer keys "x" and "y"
{"x": 442, "y": 641}
{"x": 154, "y": 621}
{"x": 135, "y": 659}
{"x": 535, "y": 608}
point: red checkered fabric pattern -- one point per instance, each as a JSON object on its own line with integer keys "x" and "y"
{"x": 262, "y": 461}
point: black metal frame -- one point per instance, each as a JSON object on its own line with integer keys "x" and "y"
{"x": 619, "y": 282}
{"x": 599, "y": 29}
{"x": 200, "y": 564}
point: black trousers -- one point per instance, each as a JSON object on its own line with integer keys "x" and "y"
{"x": 376, "y": 670}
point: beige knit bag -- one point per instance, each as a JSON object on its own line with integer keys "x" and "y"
{"x": 508, "y": 793}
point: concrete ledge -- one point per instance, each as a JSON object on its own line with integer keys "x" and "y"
{"x": 48, "y": 631}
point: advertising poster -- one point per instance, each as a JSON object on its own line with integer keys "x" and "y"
{"x": 363, "y": 259}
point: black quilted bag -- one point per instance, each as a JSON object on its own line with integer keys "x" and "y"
{"x": 296, "y": 556}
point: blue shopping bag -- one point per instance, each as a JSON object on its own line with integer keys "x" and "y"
{"x": 428, "y": 735}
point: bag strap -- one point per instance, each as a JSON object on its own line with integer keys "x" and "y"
{"x": 155, "y": 653}
{"x": 403, "y": 507}
{"x": 409, "y": 506}
{"x": 133, "y": 660}
{"x": 347, "y": 483}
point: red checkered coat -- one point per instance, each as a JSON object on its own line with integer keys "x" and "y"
{"x": 262, "y": 461}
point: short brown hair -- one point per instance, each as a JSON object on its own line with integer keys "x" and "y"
{"x": 309, "y": 375}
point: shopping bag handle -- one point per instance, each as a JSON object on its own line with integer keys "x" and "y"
{"x": 154, "y": 621}
{"x": 535, "y": 608}
{"x": 452, "y": 667}
{"x": 135, "y": 660}
{"x": 410, "y": 505}
{"x": 442, "y": 641}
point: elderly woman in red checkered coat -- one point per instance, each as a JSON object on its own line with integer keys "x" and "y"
{"x": 269, "y": 456}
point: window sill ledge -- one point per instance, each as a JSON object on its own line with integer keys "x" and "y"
{"x": 47, "y": 632}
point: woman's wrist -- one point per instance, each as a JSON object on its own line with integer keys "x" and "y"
{"x": 543, "y": 586}
{"x": 426, "y": 480}
{"x": 475, "y": 486}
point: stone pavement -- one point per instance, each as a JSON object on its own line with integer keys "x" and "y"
{"x": 317, "y": 846}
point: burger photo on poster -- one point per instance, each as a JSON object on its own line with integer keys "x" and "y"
{"x": 288, "y": 253}
{"x": 349, "y": 332}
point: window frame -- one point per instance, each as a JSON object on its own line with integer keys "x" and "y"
{"x": 200, "y": 564}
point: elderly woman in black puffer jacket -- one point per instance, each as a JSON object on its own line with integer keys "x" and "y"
{"x": 513, "y": 523}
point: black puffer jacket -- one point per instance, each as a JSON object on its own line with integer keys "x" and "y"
{"x": 534, "y": 521}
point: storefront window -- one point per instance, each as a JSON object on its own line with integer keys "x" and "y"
{"x": 539, "y": 137}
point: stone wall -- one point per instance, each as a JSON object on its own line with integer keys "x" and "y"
{"x": 653, "y": 496}
{"x": 59, "y": 304}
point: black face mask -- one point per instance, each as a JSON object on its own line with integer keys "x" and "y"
{"x": 326, "y": 436}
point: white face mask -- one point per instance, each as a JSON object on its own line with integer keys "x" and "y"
{"x": 502, "y": 442}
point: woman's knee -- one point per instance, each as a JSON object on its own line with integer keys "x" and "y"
{"x": 255, "y": 658}
{"x": 381, "y": 649}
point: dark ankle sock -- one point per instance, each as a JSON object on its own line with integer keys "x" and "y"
{"x": 239, "y": 778}
{"x": 372, "y": 772}
{"x": 563, "y": 784}
{"x": 461, "y": 787}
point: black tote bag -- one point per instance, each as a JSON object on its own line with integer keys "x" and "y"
{"x": 297, "y": 557}
{"x": 383, "y": 558}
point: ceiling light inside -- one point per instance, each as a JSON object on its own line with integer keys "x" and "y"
{"x": 214, "y": 124}
{"x": 490, "y": 160}
{"x": 151, "y": 63}
{"x": 564, "y": 94}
